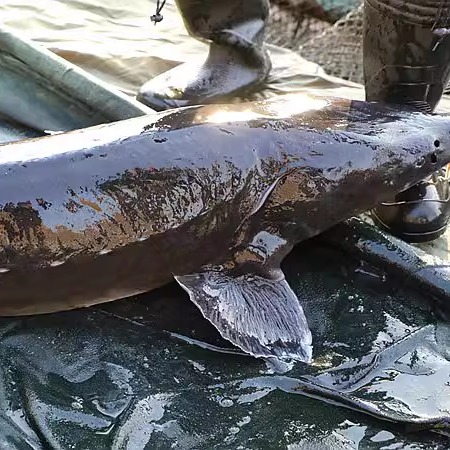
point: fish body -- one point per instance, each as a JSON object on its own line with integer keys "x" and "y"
{"x": 214, "y": 196}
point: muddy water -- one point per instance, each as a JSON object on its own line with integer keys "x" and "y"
{"x": 118, "y": 42}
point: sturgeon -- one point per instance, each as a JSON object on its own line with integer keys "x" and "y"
{"x": 211, "y": 196}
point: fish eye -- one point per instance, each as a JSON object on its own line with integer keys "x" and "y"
{"x": 437, "y": 143}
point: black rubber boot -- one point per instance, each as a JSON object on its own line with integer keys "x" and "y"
{"x": 419, "y": 214}
{"x": 237, "y": 61}
{"x": 407, "y": 61}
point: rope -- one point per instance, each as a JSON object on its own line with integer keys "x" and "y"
{"x": 157, "y": 17}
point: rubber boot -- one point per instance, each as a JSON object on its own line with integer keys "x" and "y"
{"x": 237, "y": 61}
{"x": 406, "y": 48}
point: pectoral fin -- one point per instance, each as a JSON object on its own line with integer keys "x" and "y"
{"x": 260, "y": 315}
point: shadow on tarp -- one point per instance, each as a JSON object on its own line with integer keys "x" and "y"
{"x": 121, "y": 375}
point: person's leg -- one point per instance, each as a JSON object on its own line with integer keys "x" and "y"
{"x": 236, "y": 63}
{"x": 406, "y": 52}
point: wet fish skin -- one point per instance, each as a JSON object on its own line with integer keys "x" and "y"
{"x": 214, "y": 195}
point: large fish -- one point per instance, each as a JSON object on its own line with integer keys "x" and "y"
{"x": 213, "y": 196}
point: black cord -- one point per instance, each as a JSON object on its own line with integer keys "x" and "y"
{"x": 157, "y": 17}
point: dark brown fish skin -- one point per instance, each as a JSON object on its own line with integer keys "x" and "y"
{"x": 104, "y": 213}
{"x": 417, "y": 72}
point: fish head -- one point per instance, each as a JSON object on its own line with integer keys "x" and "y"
{"x": 367, "y": 155}
{"x": 389, "y": 145}
{"x": 416, "y": 148}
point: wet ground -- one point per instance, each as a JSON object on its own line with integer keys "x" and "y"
{"x": 127, "y": 375}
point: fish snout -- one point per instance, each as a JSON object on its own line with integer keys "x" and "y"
{"x": 419, "y": 154}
